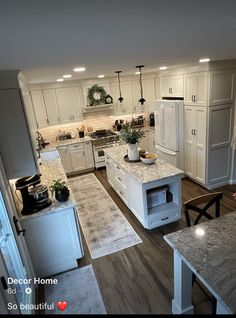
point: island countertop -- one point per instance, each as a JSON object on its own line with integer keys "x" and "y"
{"x": 142, "y": 172}
{"x": 209, "y": 250}
{"x": 50, "y": 170}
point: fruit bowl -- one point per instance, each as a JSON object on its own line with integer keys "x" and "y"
{"x": 148, "y": 158}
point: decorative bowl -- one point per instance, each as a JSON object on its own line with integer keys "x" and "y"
{"x": 148, "y": 158}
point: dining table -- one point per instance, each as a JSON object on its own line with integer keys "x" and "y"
{"x": 209, "y": 251}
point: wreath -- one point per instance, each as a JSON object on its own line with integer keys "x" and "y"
{"x": 96, "y": 95}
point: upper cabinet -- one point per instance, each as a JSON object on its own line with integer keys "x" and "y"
{"x": 149, "y": 93}
{"x": 195, "y": 89}
{"x": 221, "y": 87}
{"x": 50, "y": 101}
{"x": 39, "y": 108}
{"x": 126, "y": 106}
{"x": 172, "y": 86}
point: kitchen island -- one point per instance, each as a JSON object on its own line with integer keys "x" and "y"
{"x": 151, "y": 192}
{"x": 208, "y": 250}
{"x": 53, "y": 234}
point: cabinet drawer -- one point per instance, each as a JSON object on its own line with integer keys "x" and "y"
{"x": 120, "y": 175}
{"x": 79, "y": 146}
{"x": 122, "y": 191}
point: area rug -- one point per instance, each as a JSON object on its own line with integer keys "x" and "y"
{"x": 77, "y": 292}
{"x": 105, "y": 228}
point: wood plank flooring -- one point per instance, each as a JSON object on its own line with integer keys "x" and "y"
{"x": 139, "y": 279}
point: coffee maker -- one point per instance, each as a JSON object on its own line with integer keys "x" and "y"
{"x": 151, "y": 119}
{"x": 34, "y": 195}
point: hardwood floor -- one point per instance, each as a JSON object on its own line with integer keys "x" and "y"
{"x": 139, "y": 279}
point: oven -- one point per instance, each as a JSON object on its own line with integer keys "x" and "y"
{"x": 99, "y": 155}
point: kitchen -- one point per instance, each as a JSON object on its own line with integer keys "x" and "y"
{"x": 78, "y": 138}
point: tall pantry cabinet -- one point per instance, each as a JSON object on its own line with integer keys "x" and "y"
{"x": 209, "y": 102}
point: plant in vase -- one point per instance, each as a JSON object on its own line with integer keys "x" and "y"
{"x": 131, "y": 136}
{"x": 62, "y": 192}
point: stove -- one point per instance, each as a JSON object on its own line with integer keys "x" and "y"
{"x": 102, "y": 139}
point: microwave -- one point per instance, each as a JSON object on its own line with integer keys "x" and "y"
{"x": 157, "y": 196}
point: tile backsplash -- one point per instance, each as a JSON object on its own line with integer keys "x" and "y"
{"x": 97, "y": 120}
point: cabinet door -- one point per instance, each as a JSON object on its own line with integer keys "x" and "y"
{"x": 65, "y": 158}
{"x": 201, "y": 89}
{"x": 221, "y": 87}
{"x": 178, "y": 85}
{"x": 166, "y": 85}
{"x": 63, "y": 104}
{"x": 189, "y": 88}
{"x": 74, "y": 100}
{"x": 51, "y": 106}
{"x": 89, "y": 154}
{"x": 78, "y": 160}
{"x": 189, "y": 141}
{"x": 39, "y": 108}
{"x": 200, "y": 143}
{"x": 110, "y": 171}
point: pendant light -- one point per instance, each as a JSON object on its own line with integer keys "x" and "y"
{"x": 142, "y": 100}
{"x": 120, "y": 99}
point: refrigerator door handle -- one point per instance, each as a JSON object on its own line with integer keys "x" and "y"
{"x": 165, "y": 150}
{"x": 18, "y": 231}
{"x": 162, "y": 124}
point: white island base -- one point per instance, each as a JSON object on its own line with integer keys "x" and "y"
{"x": 143, "y": 187}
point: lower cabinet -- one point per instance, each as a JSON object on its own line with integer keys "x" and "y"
{"x": 77, "y": 157}
{"x": 53, "y": 241}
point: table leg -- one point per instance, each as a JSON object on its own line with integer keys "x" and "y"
{"x": 182, "y": 302}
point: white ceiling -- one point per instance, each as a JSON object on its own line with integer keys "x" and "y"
{"x": 48, "y": 38}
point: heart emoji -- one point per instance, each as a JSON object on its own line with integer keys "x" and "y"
{"x": 62, "y": 305}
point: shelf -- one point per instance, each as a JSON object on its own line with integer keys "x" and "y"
{"x": 162, "y": 208}
{"x": 98, "y": 108}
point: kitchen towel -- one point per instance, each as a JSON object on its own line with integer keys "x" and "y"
{"x": 105, "y": 228}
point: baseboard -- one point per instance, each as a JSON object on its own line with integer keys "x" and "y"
{"x": 217, "y": 185}
{"x": 232, "y": 181}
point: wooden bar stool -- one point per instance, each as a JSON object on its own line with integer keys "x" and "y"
{"x": 206, "y": 202}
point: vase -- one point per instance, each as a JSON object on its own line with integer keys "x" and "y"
{"x": 133, "y": 152}
{"x": 62, "y": 195}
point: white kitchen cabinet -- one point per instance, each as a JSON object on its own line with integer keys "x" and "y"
{"x": 89, "y": 154}
{"x": 78, "y": 159}
{"x": 196, "y": 89}
{"x": 69, "y": 104}
{"x": 172, "y": 86}
{"x": 50, "y": 101}
{"x": 110, "y": 171}
{"x": 148, "y": 91}
{"x": 53, "y": 241}
{"x": 126, "y": 107}
{"x": 65, "y": 156}
{"x": 195, "y": 142}
{"x": 221, "y": 87}
{"x": 39, "y": 108}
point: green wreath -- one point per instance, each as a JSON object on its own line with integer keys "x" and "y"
{"x": 96, "y": 95}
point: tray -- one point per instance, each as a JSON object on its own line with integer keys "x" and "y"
{"x": 127, "y": 159}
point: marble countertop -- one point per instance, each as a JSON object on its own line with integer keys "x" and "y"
{"x": 142, "y": 172}
{"x": 54, "y": 144}
{"x": 50, "y": 170}
{"x": 209, "y": 249}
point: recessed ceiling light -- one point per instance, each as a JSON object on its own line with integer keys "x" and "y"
{"x": 101, "y": 76}
{"x": 204, "y": 60}
{"x": 79, "y": 69}
{"x": 67, "y": 76}
{"x": 162, "y": 68}
{"x": 137, "y": 73}
{"x": 60, "y": 80}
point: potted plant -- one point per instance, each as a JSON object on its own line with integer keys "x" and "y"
{"x": 62, "y": 192}
{"x": 131, "y": 136}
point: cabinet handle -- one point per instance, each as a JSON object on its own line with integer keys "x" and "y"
{"x": 169, "y": 90}
{"x": 121, "y": 193}
{"x": 165, "y": 218}
{"x": 118, "y": 167}
{"x": 119, "y": 178}
{"x": 192, "y": 132}
{"x": 195, "y": 132}
{"x": 47, "y": 121}
{"x": 18, "y": 231}
{"x": 192, "y": 98}
{"x": 195, "y": 98}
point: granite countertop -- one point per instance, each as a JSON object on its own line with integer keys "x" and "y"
{"x": 54, "y": 144}
{"x": 142, "y": 172}
{"x": 209, "y": 249}
{"x": 50, "y": 170}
